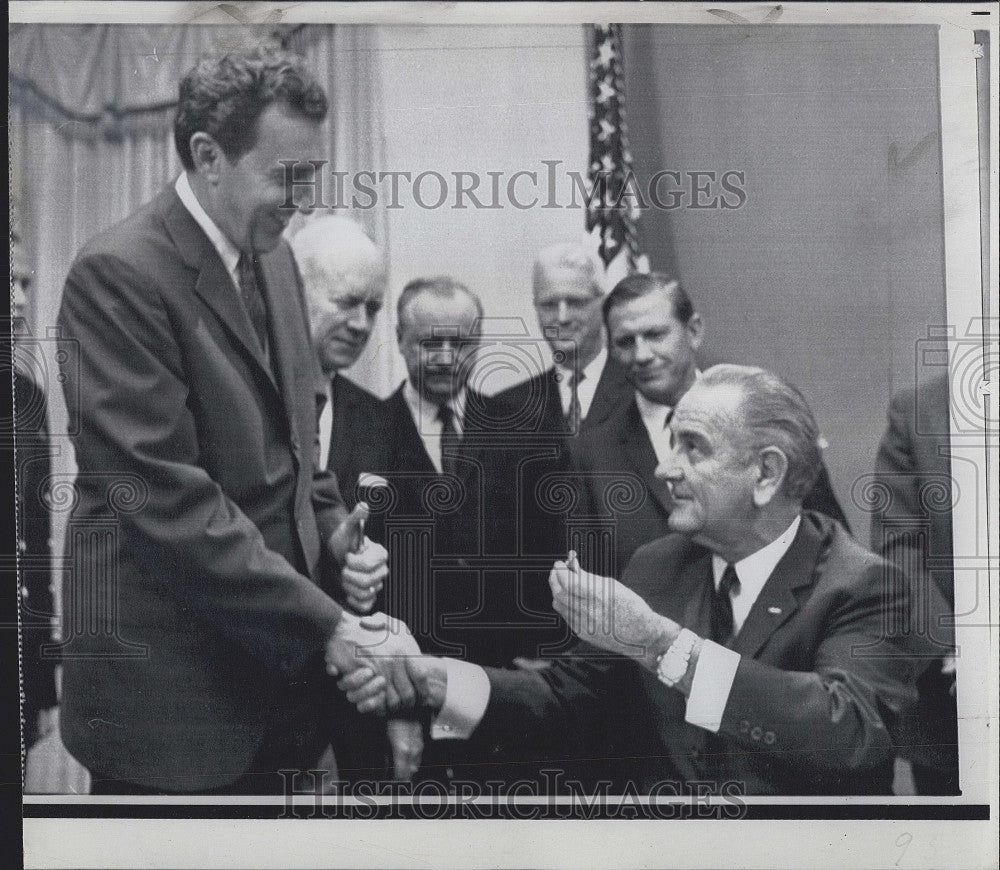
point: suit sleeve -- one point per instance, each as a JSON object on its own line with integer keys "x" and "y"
{"x": 188, "y": 534}
{"x": 896, "y": 470}
{"x": 571, "y": 697}
{"x": 840, "y": 716}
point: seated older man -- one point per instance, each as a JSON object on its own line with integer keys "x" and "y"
{"x": 752, "y": 645}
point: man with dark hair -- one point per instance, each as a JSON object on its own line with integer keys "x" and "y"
{"x": 750, "y": 649}
{"x": 654, "y": 333}
{"x": 210, "y": 599}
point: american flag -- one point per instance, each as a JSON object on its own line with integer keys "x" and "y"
{"x": 612, "y": 226}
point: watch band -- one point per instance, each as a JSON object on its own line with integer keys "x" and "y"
{"x": 673, "y": 664}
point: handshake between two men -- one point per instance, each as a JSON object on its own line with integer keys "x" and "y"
{"x": 383, "y": 672}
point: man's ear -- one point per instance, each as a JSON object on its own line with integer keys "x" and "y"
{"x": 207, "y": 156}
{"x": 696, "y": 330}
{"x": 772, "y": 468}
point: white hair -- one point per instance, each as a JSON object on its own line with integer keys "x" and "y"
{"x": 572, "y": 257}
{"x": 334, "y": 250}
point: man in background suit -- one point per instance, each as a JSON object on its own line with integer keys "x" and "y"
{"x": 752, "y": 644}
{"x": 198, "y": 388}
{"x": 344, "y": 276}
{"x": 546, "y": 412}
{"x": 32, "y": 450}
{"x": 584, "y": 384}
{"x": 654, "y": 333}
{"x": 914, "y": 463}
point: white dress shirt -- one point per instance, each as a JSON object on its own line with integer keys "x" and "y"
{"x": 468, "y": 687}
{"x": 716, "y": 668}
{"x": 587, "y": 387}
{"x": 326, "y": 426}
{"x": 654, "y": 418}
{"x": 429, "y": 425}
{"x": 228, "y": 252}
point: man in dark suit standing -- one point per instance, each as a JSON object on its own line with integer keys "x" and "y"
{"x": 428, "y": 452}
{"x": 654, "y": 333}
{"x": 751, "y": 646}
{"x": 344, "y": 276}
{"x": 584, "y": 384}
{"x": 914, "y": 532}
{"x": 32, "y": 451}
{"x": 198, "y": 604}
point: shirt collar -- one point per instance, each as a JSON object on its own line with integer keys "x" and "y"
{"x": 754, "y": 570}
{"x": 591, "y": 372}
{"x": 426, "y": 411}
{"x": 228, "y": 252}
{"x": 653, "y": 414}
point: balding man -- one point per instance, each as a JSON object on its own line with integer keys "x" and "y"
{"x": 654, "y": 333}
{"x": 344, "y": 274}
{"x": 753, "y": 646}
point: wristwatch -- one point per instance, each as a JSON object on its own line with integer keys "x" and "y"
{"x": 673, "y": 664}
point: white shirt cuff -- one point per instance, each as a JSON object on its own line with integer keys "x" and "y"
{"x": 710, "y": 686}
{"x": 466, "y": 695}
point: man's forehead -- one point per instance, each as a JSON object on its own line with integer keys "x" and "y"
{"x": 565, "y": 282}
{"x": 433, "y": 316}
{"x": 642, "y": 313}
{"x": 708, "y": 404}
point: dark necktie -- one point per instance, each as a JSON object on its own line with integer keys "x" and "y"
{"x": 253, "y": 301}
{"x": 449, "y": 439}
{"x": 573, "y": 417}
{"x": 722, "y": 606}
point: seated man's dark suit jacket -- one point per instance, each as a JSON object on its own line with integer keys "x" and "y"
{"x": 815, "y": 700}
{"x": 614, "y": 466}
{"x": 201, "y": 649}
{"x": 914, "y": 531}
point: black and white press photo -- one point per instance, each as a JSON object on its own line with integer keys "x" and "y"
{"x": 571, "y": 426}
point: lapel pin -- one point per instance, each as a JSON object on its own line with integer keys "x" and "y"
{"x": 774, "y": 611}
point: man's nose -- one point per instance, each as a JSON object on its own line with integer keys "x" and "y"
{"x": 358, "y": 318}
{"x": 641, "y": 352}
{"x": 669, "y": 469}
{"x": 563, "y": 311}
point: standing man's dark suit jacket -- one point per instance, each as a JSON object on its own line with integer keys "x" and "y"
{"x": 34, "y": 465}
{"x": 433, "y": 525}
{"x": 196, "y": 484}
{"x": 614, "y": 465}
{"x": 538, "y": 404}
{"x": 528, "y": 509}
{"x": 815, "y": 699}
{"x": 357, "y": 435}
{"x": 914, "y": 531}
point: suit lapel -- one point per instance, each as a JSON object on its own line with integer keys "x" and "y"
{"x": 641, "y": 455}
{"x": 611, "y": 390}
{"x": 779, "y": 598}
{"x": 214, "y": 286}
{"x": 409, "y": 452}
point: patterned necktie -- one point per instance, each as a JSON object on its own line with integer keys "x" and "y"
{"x": 573, "y": 416}
{"x": 722, "y": 606}
{"x": 449, "y": 439}
{"x": 253, "y": 301}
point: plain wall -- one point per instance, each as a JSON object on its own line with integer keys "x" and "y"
{"x": 478, "y": 99}
{"x": 833, "y": 269}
